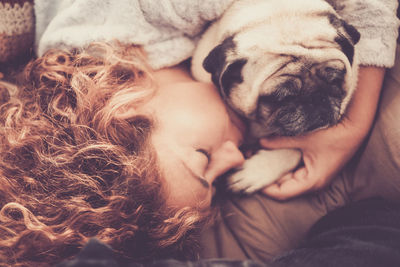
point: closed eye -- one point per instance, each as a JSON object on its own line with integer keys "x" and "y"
{"x": 205, "y": 153}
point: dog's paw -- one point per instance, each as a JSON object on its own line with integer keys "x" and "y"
{"x": 262, "y": 169}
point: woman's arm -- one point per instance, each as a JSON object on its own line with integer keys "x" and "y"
{"x": 326, "y": 151}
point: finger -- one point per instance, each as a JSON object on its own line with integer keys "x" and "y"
{"x": 278, "y": 183}
{"x": 288, "y": 188}
{"x": 286, "y": 177}
{"x": 280, "y": 142}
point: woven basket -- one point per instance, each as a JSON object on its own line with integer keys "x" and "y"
{"x": 16, "y": 30}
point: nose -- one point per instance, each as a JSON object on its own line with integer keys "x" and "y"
{"x": 227, "y": 157}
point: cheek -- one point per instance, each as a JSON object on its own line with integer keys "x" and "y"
{"x": 185, "y": 195}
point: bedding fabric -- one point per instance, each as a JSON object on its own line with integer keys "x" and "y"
{"x": 365, "y": 233}
{"x": 169, "y": 29}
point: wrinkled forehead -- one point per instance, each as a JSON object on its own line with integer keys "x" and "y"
{"x": 286, "y": 37}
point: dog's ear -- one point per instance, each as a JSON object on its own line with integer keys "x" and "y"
{"x": 340, "y": 24}
{"x": 352, "y": 32}
{"x": 231, "y": 75}
{"x": 347, "y": 37}
{"x": 224, "y": 74}
{"x": 215, "y": 62}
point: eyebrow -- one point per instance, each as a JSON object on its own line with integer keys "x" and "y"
{"x": 202, "y": 181}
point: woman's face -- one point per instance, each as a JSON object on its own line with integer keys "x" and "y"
{"x": 196, "y": 137}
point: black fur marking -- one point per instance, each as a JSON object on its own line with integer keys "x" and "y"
{"x": 333, "y": 20}
{"x": 298, "y": 116}
{"x": 340, "y": 24}
{"x": 232, "y": 75}
{"x": 352, "y": 32}
{"x": 223, "y": 76}
{"x": 346, "y": 44}
{"x": 215, "y": 62}
{"x": 347, "y": 47}
{"x": 334, "y": 4}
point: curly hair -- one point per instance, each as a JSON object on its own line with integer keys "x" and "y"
{"x": 76, "y": 162}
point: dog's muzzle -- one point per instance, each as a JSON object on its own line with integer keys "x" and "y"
{"x": 301, "y": 102}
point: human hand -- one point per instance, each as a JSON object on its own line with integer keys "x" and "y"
{"x": 326, "y": 151}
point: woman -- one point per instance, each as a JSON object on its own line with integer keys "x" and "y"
{"x": 86, "y": 149}
{"x": 136, "y": 124}
{"x": 97, "y": 144}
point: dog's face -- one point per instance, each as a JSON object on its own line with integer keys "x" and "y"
{"x": 289, "y": 74}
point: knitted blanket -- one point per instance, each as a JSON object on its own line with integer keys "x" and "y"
{"x": 167, "y": 29}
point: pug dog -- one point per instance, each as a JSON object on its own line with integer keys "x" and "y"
{"x": 288, "y": 67}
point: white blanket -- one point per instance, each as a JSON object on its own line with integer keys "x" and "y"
{"x": 167, "y": 29}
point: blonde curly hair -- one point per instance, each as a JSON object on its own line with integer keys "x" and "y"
{"x": 76, "y": 162}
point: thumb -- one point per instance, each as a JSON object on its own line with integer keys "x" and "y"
{"x": 279, "y": 142}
